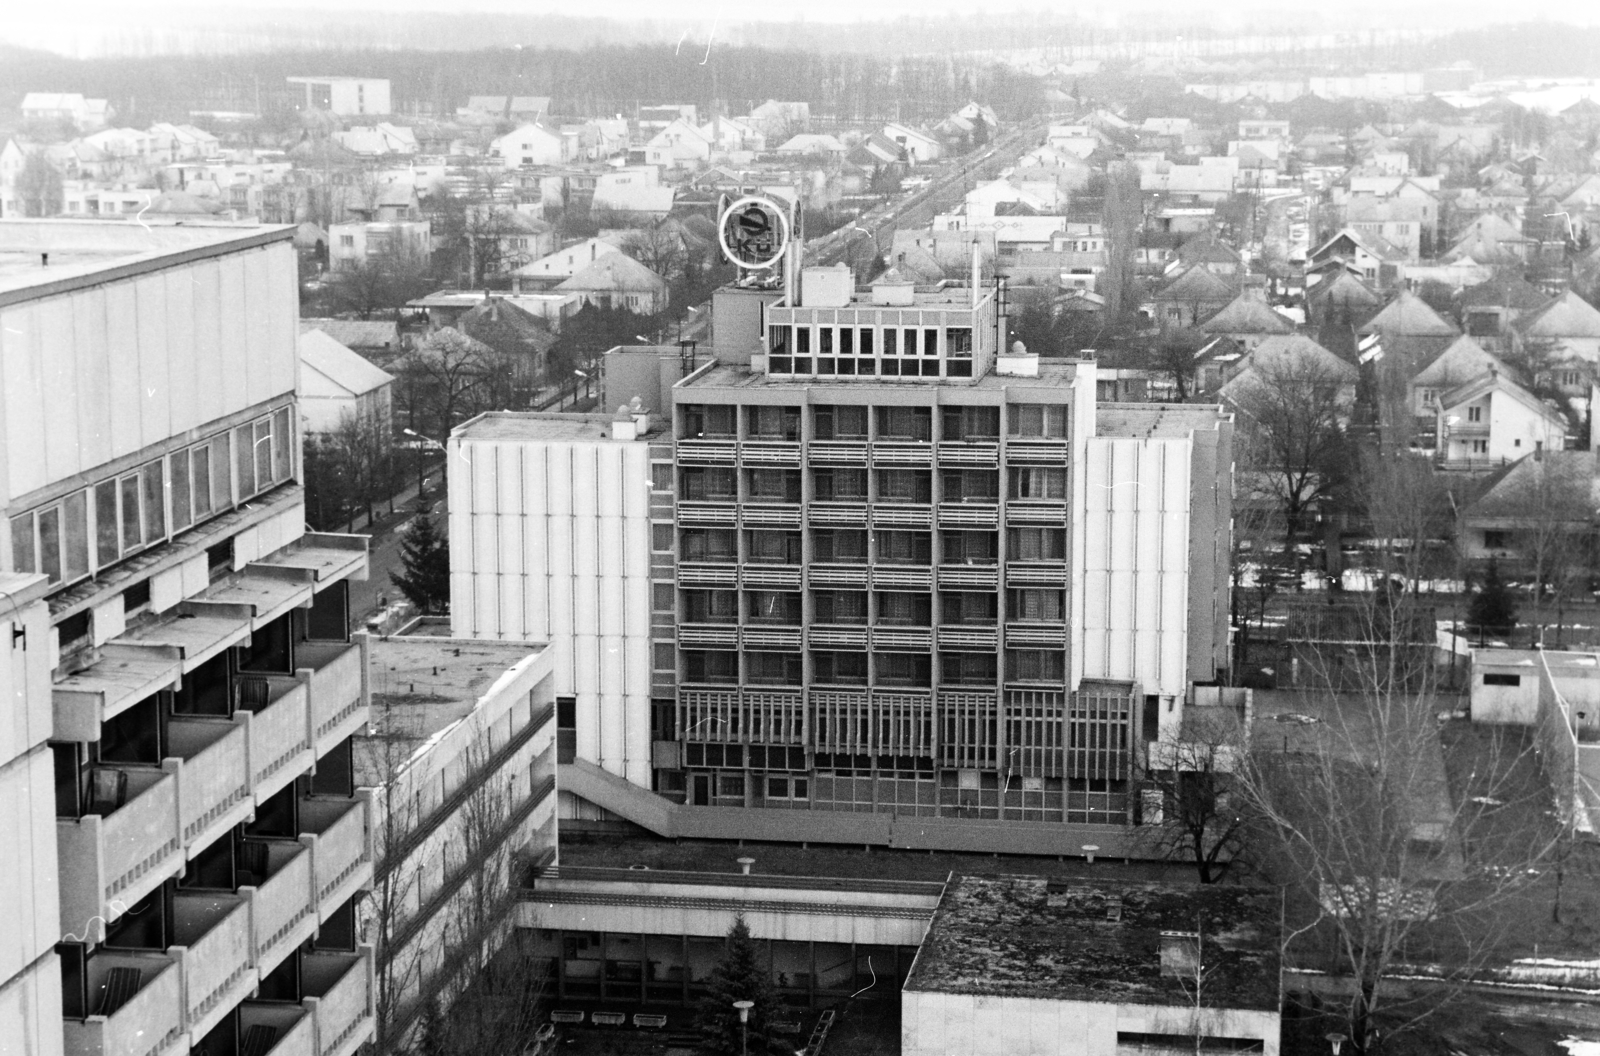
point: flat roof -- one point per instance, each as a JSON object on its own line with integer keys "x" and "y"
{"x": 423, "y": 681}
{"x": 540, "y": 425}
{"x": 87, "y": 252}
{"x": 1155, "y": 419}
{"x": 1101, "y": 941}
{"x": 1053, "y": 373}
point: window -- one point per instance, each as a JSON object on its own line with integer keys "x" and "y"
{"x": 1038, "y": 482}
{"x": 1480, "y": 447}
{"x": 709, "y": 484}
{"x": 772, "y": 669}
{"x": 773, "y": 485}
{"x": 661, "y": 476}
{"x": 53, "y": 540}
{"x": 958, "y": 340}
{"x": 778, "y": 340}
{"x": 661, "y": 538}
{"x": 840, "y": 545}
{"x": 970, "y": 485}
{"x": 731, "y": 785}
{"x": 663, "y": 597}
{"x": 774, "y": 423}
{"x": 904, "y": 609}
{"x": 347, "y": 241}
{"x": 903, "y": 669}
{"x": 1035, "y": 665}
{"x": 773, "y": 606}
{"x": 1037, "y": 544}
{"x": 967, "y": 669}
{"x": 839, "y": 668}
{"x": 904, "y": 485}
{"x": 967, "y": 607}
{"x": 1038, "y": 420}
{"x": 840, "y": 606}
{"x": 905, "y": 423}
{"x": 710, "y": 665}
{"x": 1047, "y": 605}
{"x": 1502, "y": 680}
{"x": 768, "y": 547}
{"x": 1474, "y": 414}
{"x": 709, "y": 420}
{"x": 905, "y": 548}
{"x": 1494, "y": 540}
{"x": 840, "y": 485}
{"x": 971, "y": 423}
{"x": 710, "y": 544}
{"x": 971, "y": 548}
{"x": 841, "y": 423}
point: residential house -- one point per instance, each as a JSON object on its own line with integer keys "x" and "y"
{"x": 616, "y": 280}
{"x": 555, "y": 268}
{"x": 517, "y": 336}
{"x": 1371, "y": 257}
{"x": 779, "y": 120}
{"x": 727, "y": 134}
{"x": 486, "y": 109}
{"x": 656, "y": 116}
{"x": 86, "y": 115}
{"x": 338, "y": 386}
{"x": 1288, "y": 360}
{"x": 919, "y": 146}
{"x": 350, "y": 244}
{"x": 531, "y": 144}
{"x": 1489, "y": 308}
{"x": 1262, "y": 128}
{"x": 503, "y": 240}
{"x": 680, "y": 145}
{"x": 877, "y": 152}
{"x": 1491, "y": 239}
{"x": 1211, "y": 253}
{"x": 1410, "y": 332}
{"x": 1397, "y": 221}
{"x": 635, "y": 195}
{"x": 445, "y": 308}
{"x": 1492, "y": 420}
{"x": 373, "y": 339}
{"x": 1341, "y": 297}
{"x": 1568, "y": 327}
{"x": 371, "y": 141}
{"x": 1248, "y": 320}
{"x": 1462, "y": 362}
{"x": 813, "y": 143}
{"x": 1193, "y": 295}
{"x": 345, "y": 96}
{"x": 1210, "y": 179}
{"x": 1541, "y": 492}
{"x": 169, "y": 142}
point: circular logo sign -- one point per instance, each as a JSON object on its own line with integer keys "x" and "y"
{"x": 754, "y": 233}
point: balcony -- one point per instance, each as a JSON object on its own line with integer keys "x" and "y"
{"x": 903, "y": 639}
{"x": 707, "y": 452}
{"x": 902, "y": 577}
{"x": 285, "y": 907}
{"x": 969, "y": 577}
{"x": 1041, "y": 635}
{"x": 830, "y": 514}
{"x": 969, "y": 453}
{"x": 144, "y": 993}
{"x": 1036, "y": 450}
{"x": 289, "y": 1030}
{"x": 769, "y": 637}
{"x": 1036, "y": 511}
{"x": 123, "y": 855}
{"x": 707, "y": 635}
{"x": 763, "y": 452}
{"x": 763, "y": 513}
{"x": 1036, "y": 574}
{"x": 836, "y": 636}
{"x": 333, "y": 670}
{"x": 902, "y": 453}
{"x": 901, "y": 515}
{"x": 209, "y": 758}
{"x": 980, "y": 513}
{"x": 836, "y": 575}
{"x": 339, "y": 833}
{"x": 965, "y": 637}
{"x": 709, "y": 514}
{"x": 212, "y": 937}
{"x": 278, "y": 730}
{"x": 708, "y": 574}
{"x": 780, "y": 576}
{"x": 837, "y": 452}
{"x": 337, "y": 986}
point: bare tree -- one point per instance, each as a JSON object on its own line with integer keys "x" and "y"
{"x": 660, "y": 249}
{"x": 1189, "y": 813}
{"x": 38, "y": 187}
{"x": 1556, "y": 540}
{"x": 443, "y": 381}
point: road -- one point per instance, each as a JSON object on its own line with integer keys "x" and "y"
{"x": 383, "y": 555}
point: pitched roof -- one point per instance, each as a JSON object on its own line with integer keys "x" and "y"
{"x": 1463, "y": 359}
{"x": 1208, "y": 249}
{"x": 505, "y": 327}
{"x": 1247, "y": 313}
{"x": 1350, "y": 287}
{"x": 1513, "y": 292}
{"x": 1533, "y": 483}
{"x": 1495, "y": 381}
{"x": 1567, "y": 316}
{"x": 356, "y": 333}
{"x": 347, "y": 370}
{"x": 618, "y": 272}
{"x": 1409, "y": 316}
{"x": 1197, "y": 283}
{"x": 1297, "y": 351}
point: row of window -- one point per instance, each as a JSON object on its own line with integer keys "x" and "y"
{"x": 903, "y": 608}
{"x": 89, "y": 530}
{"x": 869, "y": 341}
{"x": 856, "y": 422}
{"x": 915, "y": 670}
{"x": 849, "y": 484}
{"x": 857, "y": 546}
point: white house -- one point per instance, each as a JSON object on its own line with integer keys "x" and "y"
{"x": 345, "y": 96}
{"x": 566, "y": 262}
{"x": 352, "y": 243}
{"x": 918, "y": 145}
{"x": 531, "y": 144}
{"x": 680, "y": 145}
{"x": 377, "y": 140}
{"x": 1493, "y": 419}
{"x": 337, "y": 385}
{"x": 85, "y": 114}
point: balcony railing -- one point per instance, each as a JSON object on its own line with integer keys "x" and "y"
{"x": 959, "y": 636}
{"x": 214, "y": 942}
{"x": 209, "y": 759}
{"x": 698, "y": 514}
{"x": 333, "y": 670}
{"x": 150, "y": 1021}
{"x": 770, "y": 513}
{"x": 1036, "y": 574}
{"x": 1045, "y": 635}
{"x": 902, "y": 515}
{"x": 836, "y": 575}
{"x": 338, "y": 988}
{"x": 914, "y": 639}
{"x": 787, "y": 638}
{"x": 837, "y": 452}
{"x": 278, "y": 731}
{"x": 969, "y": 577}
{"x": 753, "y": 575}
{"x": 703, "y": 635}
{"x": 707, "y": 574}
{"x": 836, "y": 636}
{"x": 1036, "y": 450}
{"x": 124, "y": 855}
{"x": 293, "y": 1032}
{"x": 902, "y": 577}
{"x": 285, "y": 902}
{"x": 707, "y": 452}
{"x": 902, "y": 453}
{"x": 339, "y": 833}
{"x": 838, "y": 513}
{"x": 981, "y": 513}
{"x": 1036, "y": 511}
{"x": 969, "y": 453}
{"x": 761, "y": 452}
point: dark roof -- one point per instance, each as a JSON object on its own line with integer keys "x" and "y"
{"x": 505, "y": 327}
{"x": 1099, "y": 940}
{"x": 1507, "y": 293}
{"x": 1196, "y": 283}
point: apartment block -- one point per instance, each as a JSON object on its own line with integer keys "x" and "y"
{"x": 182, "y": 645}
{"x": 885, "y": 584}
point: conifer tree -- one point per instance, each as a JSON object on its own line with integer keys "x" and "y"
{"x": 425, "y": 576}
{"x": 1493, "y": 609}
{"x": 741, "y": 976}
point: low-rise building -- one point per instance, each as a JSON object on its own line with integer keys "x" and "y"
{"x": 1492, "y": 420}
{"x": 345, "y": 96}
{"x": 352, "y": 244}
{"x": 337, "y": 386}
{"x": 1031, "y": 964}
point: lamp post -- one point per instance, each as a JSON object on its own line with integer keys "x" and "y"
{"x": 1335, "y": 1041}
{"x": 744, "y": 1008}
{"x": 425, "y": 441}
